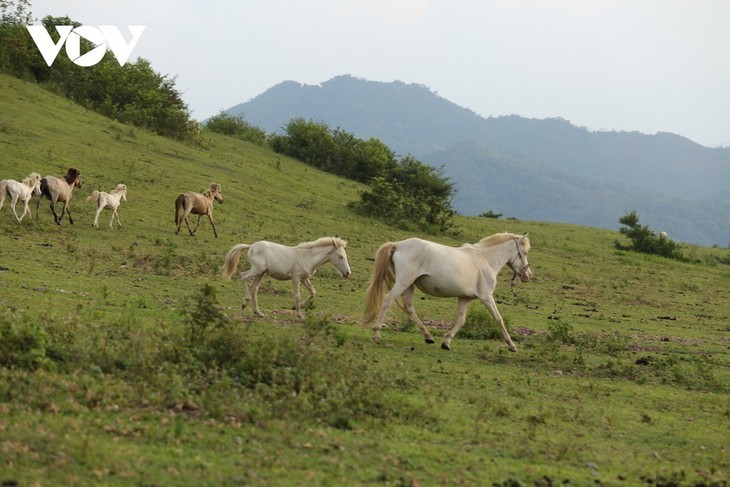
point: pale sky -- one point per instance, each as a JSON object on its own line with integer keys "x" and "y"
{"x": 635, "y": 65}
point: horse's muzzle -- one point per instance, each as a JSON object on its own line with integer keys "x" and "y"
{"x": 526, "y": 274}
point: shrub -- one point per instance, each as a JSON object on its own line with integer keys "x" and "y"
{"x": 22, "y": 343}
{"x": 480, "y": 325}
{"x": 235, "y": 126}
{"x": 644, "y": 240}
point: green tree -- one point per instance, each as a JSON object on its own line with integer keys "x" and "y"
{"x": 644, "y": 240}
{"x": 235, "y": 126}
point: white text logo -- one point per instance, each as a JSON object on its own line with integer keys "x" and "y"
{"x": 105, "y": 35}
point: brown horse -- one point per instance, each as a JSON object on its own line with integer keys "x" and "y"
{"x": 59, "y": 189}
{"x": 198, "y": 204}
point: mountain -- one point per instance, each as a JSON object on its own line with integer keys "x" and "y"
{"x": 545, "y": 169}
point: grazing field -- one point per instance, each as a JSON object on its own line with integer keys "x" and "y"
{"x": 125, "y": 358}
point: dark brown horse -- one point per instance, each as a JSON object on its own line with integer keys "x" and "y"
{"x": 59, "y": 189}
{"x": 198, "y": 204}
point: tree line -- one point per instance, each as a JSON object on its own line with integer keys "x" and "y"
{"x": 134, "y": 93}
{"x": 404, "y": 192}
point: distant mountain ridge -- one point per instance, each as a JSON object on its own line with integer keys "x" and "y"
{"x": 499, "y": 164}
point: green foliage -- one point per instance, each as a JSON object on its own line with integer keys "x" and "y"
{"x": 644, "y": 240}
{"x": 480, "y": 325}
{"x": 204, "y": 318}
{"x": 412, "y": 196}
{"x": 22, "y": 343}
{"x": 405, "y": 193}
{"x": 235, "y": 126}
{"x": 134, "y": 93}
{"x": 119, "y": 398}
{"x": 490, "y": 214}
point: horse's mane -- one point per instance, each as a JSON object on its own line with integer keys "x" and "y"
{"x": 499, "y": 238}
{"x": 120, "y": 187}
{"x": 322, "y": 241}
{"x": 71, "y": 175}
{"x": 31, "y": 177}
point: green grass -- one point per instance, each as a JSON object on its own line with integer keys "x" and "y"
{"x": 622, "y": 375}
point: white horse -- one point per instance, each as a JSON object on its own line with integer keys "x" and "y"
{"x": 281, "y": 262}
{"x": 467, "y": 272}
{"x": 110, "y": 201}
{"x": 22, "y": 191}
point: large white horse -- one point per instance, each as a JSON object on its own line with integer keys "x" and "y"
{"x": 110, "y": 201}
{"x": 282, "y": 262}
{"x": 467, "y": 272}
{"x": 22, "y": 191}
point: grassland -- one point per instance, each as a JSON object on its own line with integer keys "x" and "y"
{"x": 622, "y": 375}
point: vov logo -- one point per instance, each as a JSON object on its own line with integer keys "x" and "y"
{"x": 101, "y": 37}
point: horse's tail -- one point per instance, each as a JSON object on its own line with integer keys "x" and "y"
{"x": 94, "y": 196}
{"x": 179, "y": 202}
{"x": 382, "y": 274}
{"x": 232, "y": 257}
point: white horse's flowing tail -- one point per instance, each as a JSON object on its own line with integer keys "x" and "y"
{"x": 94, "y": 196}
{"x": 383, "y": 273}
{"x": 232, "y": 257}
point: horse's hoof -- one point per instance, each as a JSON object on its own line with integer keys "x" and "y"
{"x": 430, "y": 340}
{"x": 445, "y": 346}
{"x": 512, "y": 349}
{"x": 376, "y": 339}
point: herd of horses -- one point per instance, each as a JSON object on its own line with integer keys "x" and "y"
{"x": 467, "y": 273}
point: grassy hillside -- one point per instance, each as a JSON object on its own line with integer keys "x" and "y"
{"x": 622, "y": 375}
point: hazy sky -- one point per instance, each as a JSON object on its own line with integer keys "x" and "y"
{"x": 645, "y": 65}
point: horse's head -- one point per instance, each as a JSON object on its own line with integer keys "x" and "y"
{"x": 73, "y": 177}
{"x": 338, "y": 257}
{"x": 34, "y": 181}
{"x": 122, "y": 189}
{"x": 519, "y": 264}
{"x": 215, "y": 191}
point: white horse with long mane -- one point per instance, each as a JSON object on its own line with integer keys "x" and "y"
{"x": 282, "y": 262}
{"x": 110, "y": 201}
{"x": 22, "y": 191}
{"x": 467, "y": 272}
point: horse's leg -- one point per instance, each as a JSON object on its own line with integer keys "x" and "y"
{"x": 96, "y": 217}
{"x": 312, "y": 292}
{"x": 397, "y": 289}
{"x": 210, "y": 217}
{"x": 67, "y": 210}
{"x": 197, "y": 224}
{"x": 119, "y": 222}
{"x": 37, "y": 207}
{"x": 13, "y": 201}
{"x": 408, "y": 304}
{"x": 492, "y": 307}
{"x": 53, "y": 210}
{"x": 460, "y": 319}
{"x": 254, "y": 292}
{"x": 27, "y": 208}
{"x": 297, "y": 305}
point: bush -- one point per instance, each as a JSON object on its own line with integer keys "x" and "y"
{"x": 480, "y": 325}
{"x": 22, "y": 343}
{"x": 235, "y": 126}
{"x": 645, "y": 240}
